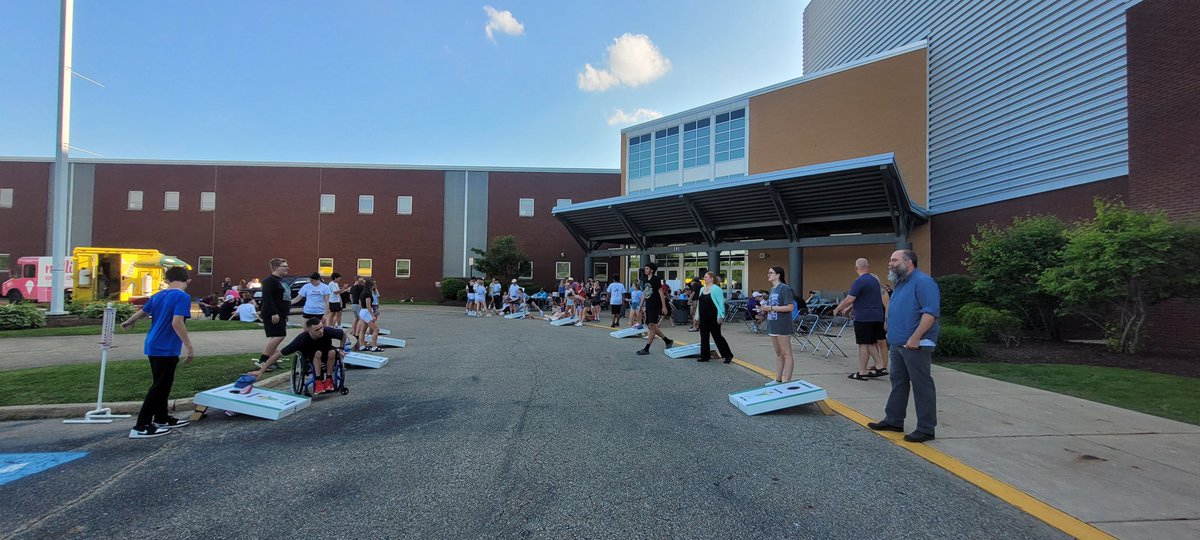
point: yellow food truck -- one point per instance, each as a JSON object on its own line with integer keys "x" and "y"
{"x": 120, "y": 274}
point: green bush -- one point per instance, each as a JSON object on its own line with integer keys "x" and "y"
{"x": 454, "y": 289}
{"x": 95, "y": 310}
{"x": 991, "y": 324}
{"x": 957, "y": 290}
{"x": 21, "y": 316}
{"x": 957, "y": 341}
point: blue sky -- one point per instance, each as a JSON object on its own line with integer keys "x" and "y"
{"x": 387, "y": 82}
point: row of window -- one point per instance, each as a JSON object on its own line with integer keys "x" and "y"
{"x": 366, "y": 204}
{"x": 204, "y": 267}
{"x": 728, "y": 132}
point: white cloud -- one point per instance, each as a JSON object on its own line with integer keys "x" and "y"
{"x": 638, "y": 116}
{"x": 502, "y": 21}
{"x": 633, "y": 60}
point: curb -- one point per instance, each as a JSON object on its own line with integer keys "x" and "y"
{"x": 77, "y": 410}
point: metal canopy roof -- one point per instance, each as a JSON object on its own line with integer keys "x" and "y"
{"x": 857, "y": 201}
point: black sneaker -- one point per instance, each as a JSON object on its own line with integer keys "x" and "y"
{"x": 643, "y": 351}
{"x": 670, "y": 343}
{"x": 880, "y": 426}
{"x": 148, "y": 432}
{"x": 172, "y": 422}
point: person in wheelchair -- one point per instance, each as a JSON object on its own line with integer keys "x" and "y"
{"x": 315, "y": 343}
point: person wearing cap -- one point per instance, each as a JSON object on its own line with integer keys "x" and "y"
{"x": 514, "y": 296}
{"x": 315, "y": 295}
{"x": 752, "y": 315}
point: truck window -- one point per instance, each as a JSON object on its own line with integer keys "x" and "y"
{"x": 29, "y": 270}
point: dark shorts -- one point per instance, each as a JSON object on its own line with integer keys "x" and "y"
{"x": 868, "y": 332}
{"x": 334, "y": 308}
{"x": 275, "y": 329}
{"x": 616, "y": 309}
{"x": 308, "y": 316}
{"x": 653, "y": 314}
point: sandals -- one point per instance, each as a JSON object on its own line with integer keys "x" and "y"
{"x": 877, "y": 372}
{"x": 859, "y": 376}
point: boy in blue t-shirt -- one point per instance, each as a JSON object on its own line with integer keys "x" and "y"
{"x": 168, "y": 309}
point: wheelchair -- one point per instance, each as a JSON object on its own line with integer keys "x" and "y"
{"x": 303, "y": 379}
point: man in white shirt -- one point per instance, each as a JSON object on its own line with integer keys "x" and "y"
{"x": 247, "y": 313}
{"x": 616, "y": 299}
{"x": 315, "y": 295}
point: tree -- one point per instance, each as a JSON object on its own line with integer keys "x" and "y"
{"x": 1008, "y": 263}
{"x": 503, "y": 259}
{"x": 1116, "y": 266}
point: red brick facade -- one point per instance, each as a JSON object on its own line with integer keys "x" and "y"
{"x": 23, "y": 228}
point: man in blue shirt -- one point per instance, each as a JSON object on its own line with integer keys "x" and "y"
{"x": 167, "y": 309}
{"x": 864, "y": 303}
{"x": 912, "y": 334}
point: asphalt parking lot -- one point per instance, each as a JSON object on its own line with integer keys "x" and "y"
{"x": 497, "y": 429}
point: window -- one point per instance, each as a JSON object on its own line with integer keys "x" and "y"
{"x": 135, "y": 200}
{"x": 208, "y": 201}
{"x": 29, "y": 270}
{"x": 327, "y": 203}
{"x": 204, "y": 266}
{"x": 639, "y": 156}
{"x": 695, "y": 143}
{"x": 600, "y": 270}
{"x": 562, "y": 202}
{"x": 403, "y": 268}
{"x": 666, "y": 150}
{"x": 562, "y": 270}
{"x": 404, "y": 205}
{"x": 731, "y": 135}
{"x": 170, "y": 201}
{"x": 6, "y": 198}
{"x": 526, "y": 208}
{"x": 325, "y": 266}
{"x": 526, "y": 270}
{"x": 5, "y": 260}
{"x": 364, "y": 267}
{"x": 366, "y": 204}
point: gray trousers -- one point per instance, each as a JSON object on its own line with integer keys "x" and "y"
{"x": 910, "y": 368}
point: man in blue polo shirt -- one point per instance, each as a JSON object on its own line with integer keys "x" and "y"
{"x": 912, "y": 333}
{"x": 167, "y": 309}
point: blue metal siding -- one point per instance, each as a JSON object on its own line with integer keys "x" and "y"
{"x": 1025, "y": 96}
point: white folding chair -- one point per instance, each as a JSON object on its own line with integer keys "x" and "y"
{"x": 830, "y": 334}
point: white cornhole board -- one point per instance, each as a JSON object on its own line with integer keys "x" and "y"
{"x": 365, "y": 360}
{"x": 628, "y": 332}
{"x": 391, "y": 342}
{"x": 518, "y": 315}
{"x": 684, "y": 351}
{"x": 564, "y": 322}
{"x": 260, "y": 402}
{"x": 777, "y": 396}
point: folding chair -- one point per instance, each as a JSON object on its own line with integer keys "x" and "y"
{"x": 830, "y": 334}
{"x": 806, "y": 327}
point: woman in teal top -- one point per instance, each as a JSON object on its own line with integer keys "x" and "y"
{"x": 711, "y": 313}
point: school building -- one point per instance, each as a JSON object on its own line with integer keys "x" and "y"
{"x": 916, "y": 122}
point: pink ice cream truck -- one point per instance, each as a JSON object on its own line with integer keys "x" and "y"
{"x": 31, "y": 281}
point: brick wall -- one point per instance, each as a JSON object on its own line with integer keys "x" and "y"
{"x": 23, "y": 227}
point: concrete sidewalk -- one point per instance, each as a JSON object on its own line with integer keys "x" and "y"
{"x": 1129, "y": 474}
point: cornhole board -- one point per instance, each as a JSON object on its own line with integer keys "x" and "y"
{"x": 365, "y": 360}
{"x": 564, "y": 322}
{"x": 260, "y": 402}
{"x": 684, "y": 351}
{"x": 391, "y": 342}
{"x": 628, "y": 332}
{"x": 778, "y": 396}
{"x": 518, "y": 315}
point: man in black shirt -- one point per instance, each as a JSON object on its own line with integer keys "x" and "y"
{"x": 274, "y": 309}
{"x": 654, "y": 299}
{"x": 315, "y": 343}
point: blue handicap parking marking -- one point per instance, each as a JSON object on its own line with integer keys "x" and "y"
{"x": 17, "y": 466}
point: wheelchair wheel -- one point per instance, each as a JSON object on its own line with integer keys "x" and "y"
{"x": 339, "y": 376}
{"x": 297, "y": 375}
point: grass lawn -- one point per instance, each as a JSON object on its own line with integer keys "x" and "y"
{"x": 126, "y": 380}
{"x": 143, "y": 326}
{"x": 1168, "y": 396}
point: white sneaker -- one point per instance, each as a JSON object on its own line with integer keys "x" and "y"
{"x": 771, "y": 383}
{"x": 578, "y": 324}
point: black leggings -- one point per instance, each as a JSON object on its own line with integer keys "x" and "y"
{"x": 154, "y": 408}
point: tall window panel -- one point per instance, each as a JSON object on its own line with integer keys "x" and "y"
{"x": 666, "y": 150}
{"x": 696, "y": 143}
{"x": 731, "y": 135}
{"x": 404, "y": 205}
{"x": 171, "y": 201}
{"x": 208, "y": 201}
{"x": 6, "y": 198}
{"x": 135, "y": 200}
{"x": 639, "y": 156}
{"x": 328, "y": 202}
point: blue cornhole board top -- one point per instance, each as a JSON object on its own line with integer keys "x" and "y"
{"x": 517, "y": 315}
{"x": 777, "y": 396}
{"x": 684, "y": 351}
{"x": 564, "y": 322}
{"x": 16, "y": 466}
{"x": 628, "y": 332}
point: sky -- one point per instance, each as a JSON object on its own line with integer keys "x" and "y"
{"x": 505, "y": 83}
